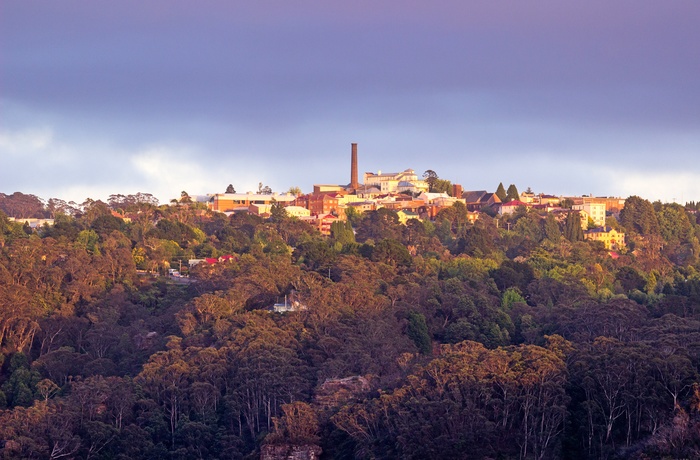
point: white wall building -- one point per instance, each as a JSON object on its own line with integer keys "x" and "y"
{"x": 595, "y": 211}
{"x": 396, "y": 182}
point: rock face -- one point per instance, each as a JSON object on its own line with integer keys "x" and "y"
{"x": 290, "y": 452}
{"x": 337, "y": 392}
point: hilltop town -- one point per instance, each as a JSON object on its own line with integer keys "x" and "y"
{"x": 422, "y": 198}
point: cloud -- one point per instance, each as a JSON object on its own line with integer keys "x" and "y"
{"x": 669, "y": 186}
{"x": 26, "y": 141}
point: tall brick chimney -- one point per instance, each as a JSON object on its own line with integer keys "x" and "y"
{"x": 354, "y": 184}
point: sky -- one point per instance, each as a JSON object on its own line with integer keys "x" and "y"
{"x": 163, "y": 96}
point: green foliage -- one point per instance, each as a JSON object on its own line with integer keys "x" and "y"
{"x": 552, "y": 231}
{"x": 418, "y": 332}
{"x": 511, "y": 296}
{"x": 573, "y": 230}
{"x": 342, "y": 232}
{"x": 501, "y": 192}
{"x": 89, "y": 240}
{"x": 441, "y": 186}
{"x": 442, "y": 321}
{"x": 512, "y": 193}
{"x": 638, "y": 216}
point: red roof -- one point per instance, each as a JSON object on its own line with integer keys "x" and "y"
{"x": 515, "y": 203}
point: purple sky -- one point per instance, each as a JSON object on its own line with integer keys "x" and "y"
{"x": 162, "y": 96}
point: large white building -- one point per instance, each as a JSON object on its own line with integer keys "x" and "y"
{"x": 595, "y": 211}
{"x": 405, "y": 181}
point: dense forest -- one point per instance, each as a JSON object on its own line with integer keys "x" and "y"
{"x": 430, "y": 340}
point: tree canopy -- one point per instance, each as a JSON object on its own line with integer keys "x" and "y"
{"x": 449, "y": 338}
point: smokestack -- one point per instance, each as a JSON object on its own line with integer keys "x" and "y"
{"x": 353, "y": 168}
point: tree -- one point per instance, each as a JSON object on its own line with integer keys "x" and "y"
{"x": 573, "y": 230}
{"x": 551, "y": 229}
{"x": 442, "y": 186}
{"x": 296, "y": 191}
{"x": 638, "y": 216}
{"x": 277, "y": 212}
{"x": 21, "y": 206}
{"x": 566, "y": 203}
{"x": 264, "y": 189}
{"x": 418, "y": 332}
{"x": 430, "y": 177}
{"x": 230, "y": 189}
{"x": 512, "y": 193}
{"x": 185, "y": 197}
{"x": 501, "y": 192}
{"x": 342, "y": 232}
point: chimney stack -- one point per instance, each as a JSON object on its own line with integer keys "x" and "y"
{"x": 353, "y": 168}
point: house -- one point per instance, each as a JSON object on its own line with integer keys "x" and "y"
{"x": 323, "y": 203}
{"x": 291, "y": 303}
{"x": 479, "y": 199}
{"x": 363, "y": 206}
{"x": 260, "y": 209}
{"x": 527, "y": 197}
{"x": 297, "y": 211}
{"x": 32, "y": 222}
{"x": 548, "y": 199}
{"x": 512, "y": 206}
{"x": 611, "y": 238}
{"x": 211, "y": 260}
{"x": 322, "y": 222}
{"x": 405, "y": 216}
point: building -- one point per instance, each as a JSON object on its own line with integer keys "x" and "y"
{"x": 291, "y": 303}
{"x": 527, "y": 197}
{"x": 479, "y": 199}
{"x": 362, "y": 206}
{"x": 297, "y": 211}
{"x": 323, "y": 203}
{"x": 405, "y": 181}
{"x": 595, "y": 210}
{"x": 611, "y": 238}
{"x": 322, "y": 223}
{"x": 32, "y": 222}
{"x": 512, "y": 206}
{"x": 405, "y": 216}
{"x": 612, "y": 204}
{"x": 241, "y": 202}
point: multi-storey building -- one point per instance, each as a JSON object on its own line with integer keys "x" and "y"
{"x": 406, "y": 181}
{"x": 595, "y": 210}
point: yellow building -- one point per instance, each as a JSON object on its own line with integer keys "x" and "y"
{"x": 405, "y": 216}
{"x": 232, "y": 202}
{"x": 611, "y": 238}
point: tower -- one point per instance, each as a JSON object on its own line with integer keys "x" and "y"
{"x": 353, "y": 167}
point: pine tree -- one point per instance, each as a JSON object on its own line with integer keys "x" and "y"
{"x": 573, "y": 231}
{"x": 551, "y": 229}
{"x": 512, "y": 193}
{"x": 501, "y": 192}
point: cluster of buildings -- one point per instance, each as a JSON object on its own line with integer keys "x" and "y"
{"x": 409, "y": 195}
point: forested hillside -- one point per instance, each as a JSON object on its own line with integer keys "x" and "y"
{"x": 431, "y": 340}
